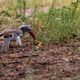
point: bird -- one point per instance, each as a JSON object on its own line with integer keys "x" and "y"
{"x": 11, "y": 34}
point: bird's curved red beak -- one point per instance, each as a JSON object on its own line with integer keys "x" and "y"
{"x": 32, "y": 34}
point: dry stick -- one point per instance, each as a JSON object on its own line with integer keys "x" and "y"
{"x": 33, "y": 47}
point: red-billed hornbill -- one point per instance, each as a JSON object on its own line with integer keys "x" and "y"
{"x": 15, "y": 34}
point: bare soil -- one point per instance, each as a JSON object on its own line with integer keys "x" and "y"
{"x": 51, "y": 61}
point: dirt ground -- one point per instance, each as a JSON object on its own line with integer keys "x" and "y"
{"x": 49, "y": 62}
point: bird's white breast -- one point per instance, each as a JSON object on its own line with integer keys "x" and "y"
{"x": 18, "y": 41}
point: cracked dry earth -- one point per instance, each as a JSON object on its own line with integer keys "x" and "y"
{"x": 49, "y": 62}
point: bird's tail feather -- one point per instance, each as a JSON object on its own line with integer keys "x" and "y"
{"x": 5, "y": 46}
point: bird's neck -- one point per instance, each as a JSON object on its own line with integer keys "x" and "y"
{"x": 23, "y": 32}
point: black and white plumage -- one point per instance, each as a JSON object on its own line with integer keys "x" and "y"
{"x": 15, "y": 35}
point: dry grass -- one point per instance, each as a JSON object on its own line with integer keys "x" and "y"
{"x": 4, "y": 4}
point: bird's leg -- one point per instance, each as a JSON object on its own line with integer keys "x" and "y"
{"x": 5, "y": 46}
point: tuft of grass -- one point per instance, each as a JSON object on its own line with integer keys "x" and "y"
{"x": 60, "y": 24}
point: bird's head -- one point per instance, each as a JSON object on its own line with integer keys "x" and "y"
{"x": 27, "y": 28}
